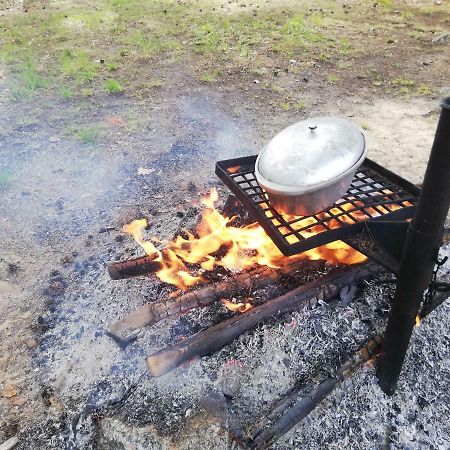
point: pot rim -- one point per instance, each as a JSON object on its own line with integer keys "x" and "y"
{"x": 284, "y": 189}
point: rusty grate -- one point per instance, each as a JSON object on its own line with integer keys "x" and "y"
{"x": 375, "y": 194}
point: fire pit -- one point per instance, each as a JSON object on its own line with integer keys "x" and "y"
{"x": 372, "y": 217}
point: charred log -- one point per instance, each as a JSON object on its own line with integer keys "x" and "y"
{"x": 296, "y": 405}
{"x": 256, "y": 278}
{"x": 134, "y": 267}
{"x": 214, "y": 338}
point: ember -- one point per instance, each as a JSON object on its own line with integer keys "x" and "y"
{"x": 239, "y": 307}
{"x": 246, "y": 247}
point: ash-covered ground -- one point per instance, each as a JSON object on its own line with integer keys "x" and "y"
{"x": 73, "y": 387}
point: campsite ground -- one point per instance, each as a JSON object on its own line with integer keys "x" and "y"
{"x": 116, "y": 109}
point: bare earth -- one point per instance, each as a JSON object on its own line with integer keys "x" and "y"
{"x": 64, "y": 199}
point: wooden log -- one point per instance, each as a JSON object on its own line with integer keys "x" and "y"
{"x": 294, "y": 407}
{"x": 134, "y": 267}
{"x": 146, "y": 265}
{"x": 216, "y": 337}
{"x": 256, "y": 278}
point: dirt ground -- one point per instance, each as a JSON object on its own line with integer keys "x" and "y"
{"x": 71, "y": 174}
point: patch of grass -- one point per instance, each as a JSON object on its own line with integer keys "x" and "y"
{"x": 149, "y": 43}
{"x": 365, "y": 126}
{"x": 28, "y": 81}
{"x": 113, "y": 86}
{"x": 111, "y": 66}
{"x": 277, "y": 89}
{"x": 295, "y": 35}
{"x": 403, "y": 82}
{"x": 333, "y": 78}
{"x": 285, "y": 106}
{"x": 404, "y": 90}
{"x": 88, "y": 135}
{"x": 208, "y": 77}
{"x": 66, "y": 92}
{"x": 31, "y": 77}
{"x": 299, "y": 105}
{"x": 423, "y": 89}
{"x": 78, "y": 66}
{"x": 345, "y": 46}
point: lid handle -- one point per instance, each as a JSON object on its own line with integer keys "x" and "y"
{"x": 312, "y": 127}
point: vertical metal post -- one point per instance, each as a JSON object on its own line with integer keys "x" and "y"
{"x": 423, "y": 239}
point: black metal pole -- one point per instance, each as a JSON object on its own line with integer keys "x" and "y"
{"x": 423, "y": 239}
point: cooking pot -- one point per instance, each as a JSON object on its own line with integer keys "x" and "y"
{"x": 309, "y": 165}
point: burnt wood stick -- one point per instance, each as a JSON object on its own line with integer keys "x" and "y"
{"x": 298, "y": 404}
{"x": 256, "y": 278}
{"x": 134, "y": 267}
{"x": 294, "y": 407}
{"x": 216, "y": 337}
{"x": 145, "y": 265}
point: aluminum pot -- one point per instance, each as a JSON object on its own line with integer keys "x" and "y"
{"x": 309, "y": 165}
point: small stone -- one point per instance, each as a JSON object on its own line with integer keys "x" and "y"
{"x": 31, "y": 343}
{"x": 9, "y": 391}
{"x": 441, "y": 39}
{"x": 54, "y": 139}
{"x": 18, "y": 401}
{"x": 256, "y": 81}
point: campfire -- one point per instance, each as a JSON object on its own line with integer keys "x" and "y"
{"x": 231, "y": 255}
{"x": 217, "y": 242}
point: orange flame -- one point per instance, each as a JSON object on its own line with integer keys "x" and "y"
{"x": 218, "y": 243}
{"x": 240, "y": 307}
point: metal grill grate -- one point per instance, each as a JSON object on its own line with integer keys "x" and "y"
{"x": 375, "y": 194}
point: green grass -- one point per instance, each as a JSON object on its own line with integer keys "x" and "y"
{"x": 423, "y": 89}
{"x": 111, "y": 66}
{"x": 67, "y": 40}
{"x": 299, "y": 105}
{"x": 404, "y": 82}
{"x": 88, "y": 135}
{"x": 78, "y": 65}
{"x": 208, "y": 77}
{"x": 113, "y": 86}
{"x": 66, "y": 92}
{"x": 332, "y": 78}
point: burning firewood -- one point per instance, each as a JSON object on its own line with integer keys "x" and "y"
{"x": 256, "y": 278}
{"x": 214, "y": 338}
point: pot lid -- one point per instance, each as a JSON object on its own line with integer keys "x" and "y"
{"x": 311, "y": 152}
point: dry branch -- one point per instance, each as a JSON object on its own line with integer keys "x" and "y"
{"x": 134, "y": 267}
{"x": 216, "y": 337}
{"x": 256, "y": 278}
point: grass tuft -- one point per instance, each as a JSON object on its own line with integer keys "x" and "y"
{"x": 88, "y": 135}
{"x": 113, "y": 86}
